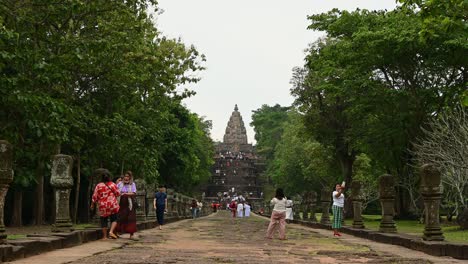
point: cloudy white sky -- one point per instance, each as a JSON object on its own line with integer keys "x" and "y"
{"x": 251, "y": 47}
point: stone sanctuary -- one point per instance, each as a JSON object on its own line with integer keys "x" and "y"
{"x": 237, "y": 167}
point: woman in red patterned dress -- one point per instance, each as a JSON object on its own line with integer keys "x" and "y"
{"x": 105, "y": 195}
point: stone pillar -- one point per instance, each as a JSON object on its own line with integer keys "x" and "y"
{"x": 186, "y": 206}
{"x": 431, "y": 192}
{"x": 312, "y": 206}
{"x": 357, "y": 199}
{"x": 297, "y": 210}
{"x": 325, "y": 198}
{"x": 62, "y": 181}
{"x": 141, "y": 197}
{"x": 178, "y": 201}
{"x": 6, "y": 177}
{"x": 171, "y": 203}
{"x": 387, "y": 202}
{"x": 150, "y": 192}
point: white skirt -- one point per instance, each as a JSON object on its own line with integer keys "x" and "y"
{"x": 289, "y": 214}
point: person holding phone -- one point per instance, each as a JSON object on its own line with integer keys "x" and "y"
{"x": 337, "y": 208}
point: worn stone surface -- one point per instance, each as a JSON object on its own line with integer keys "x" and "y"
{"x": 431, "y": 192}
{"x": 62, "y": 181}
{"x": 6, "y": 177}
{"x": 387, "y": 202}
{"x": 221, "y": 239}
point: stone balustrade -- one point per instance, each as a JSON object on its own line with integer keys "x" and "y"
{"x": 62, "y": 181}
{"x": 6, "y": 177}
{"x": 325, "y": 199}
{"x": 431, "y": 192}
{"x": 387, "y": 201}
{"x": 357, "y": 199}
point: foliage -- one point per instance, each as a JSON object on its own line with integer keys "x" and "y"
{"x": 300, "y": 163}
{"x": 371, "y": 85}
{"x": 445, "y": 144}
{"x": 97, "y": 79}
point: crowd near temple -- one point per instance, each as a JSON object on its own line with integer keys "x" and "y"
{"x": 237, "y": 169}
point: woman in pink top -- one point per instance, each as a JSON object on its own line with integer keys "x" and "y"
{"x": 105, "y": 195}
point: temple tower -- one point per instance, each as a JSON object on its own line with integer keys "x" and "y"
{"x": 237, "y": 166}
{"x": 235, "y": 130}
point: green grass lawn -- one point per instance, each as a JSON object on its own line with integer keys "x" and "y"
{"x": 452, "y": 233}
{"x": 84, "y": 226}
{"x": 15, "y": 236}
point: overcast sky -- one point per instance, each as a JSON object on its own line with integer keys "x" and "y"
{"x": 251, "y": 47}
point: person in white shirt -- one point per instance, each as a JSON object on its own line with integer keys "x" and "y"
{"x": 289, "y": 210}
{"x": 246, "y": 210}
{"x": 240, "y": 210}
{"x": 278, "y": 216}
{"x": 200, "y": 205}
{"x": 337, "y": 208}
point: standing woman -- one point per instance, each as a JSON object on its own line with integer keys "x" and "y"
{"x": 105, "y": 195}
{"x": 160, "y": 204}
{"x": 127, "y": 212}
{"x": 278, "y": 216}
{"x": 337, "y": 208}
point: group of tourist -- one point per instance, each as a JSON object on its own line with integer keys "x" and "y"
{"x": 239, "y": 208}
{"x": 236, "y": 156}
{"x": 117, "y": 203}
{"x": 196, "y": 208}
{"x": 282, "y": 210}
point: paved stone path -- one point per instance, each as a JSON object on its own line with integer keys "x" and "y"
{"x": 221, "y": 239}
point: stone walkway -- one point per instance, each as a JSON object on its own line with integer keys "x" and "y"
{"x": 221, "y": 239}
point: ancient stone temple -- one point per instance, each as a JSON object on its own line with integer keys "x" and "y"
{"x": 237, "y": 167}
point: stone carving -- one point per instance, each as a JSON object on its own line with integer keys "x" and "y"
{"x": 6, "y": 177}
{"x": 141, "y": 197}
{"x": 62, "y": 181}
{"x": 325, "y": 198}
{"x": 462, "y": 219}
{"x": 171, "y": 203}
{"x": 431, "y": 192}
{"x": 298, "y": 207}
{"x": 357, "y": 199}
{"x": 387, "y": 202}
{"x": 150, "y": 192}
{"x": 310, "y": 202}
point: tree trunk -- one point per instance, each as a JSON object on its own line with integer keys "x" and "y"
{"x": 347, "y": 162}
{"x": 39, "y": 195}
{"x": 16, "y": 218}
{"x": 77, "y": 190}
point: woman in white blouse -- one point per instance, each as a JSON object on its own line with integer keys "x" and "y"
{"x": 278, "y": 216}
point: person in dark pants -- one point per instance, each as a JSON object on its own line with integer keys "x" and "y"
{"x": 160, "y": 204}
